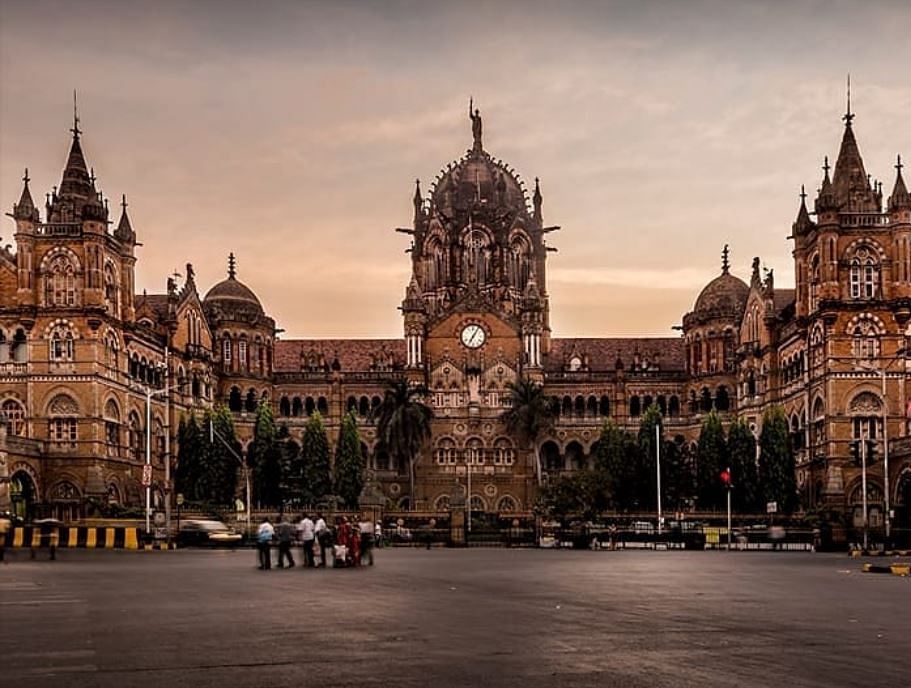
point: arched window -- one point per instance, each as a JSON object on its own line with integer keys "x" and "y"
{"x": 518, "y": 265}
{"x": 441, "y": 503}
{"x": 351, "y": 405}
{"x": 18, "y": 347}
{"x": 136, "y": 438}
{"x": 705, "y": 400}
{"x": 865, "y": 341}
{"x": 476, "y": 258}
{"x": 61, "y": 346}
{"x": 226, "y": 352}
{"x": 814, "y": 283}
{"x": 112, "y": 426}
{"x": 722, "y": 400}
{"x": 567, "y": 407}
{"x": 550, "y": 456}
{"x": 284, "y": 407}
{"x": 864, "y": 275}
{"x": 474, "y": 451}
{"x": 604, "y": 406}
{"x": 363, "y": 407}
{"x": 503, "y": 452}
{"x": 158, "y": 435}
{"x": 110, "y": 287}
{"x": 60, "y": 282}
{"x": 662, "y": 404}
{"x": 322, "y": 405}
{"x": 579, "y": 406}
{"x": 235, "y": 401}
{"x": 575, "y": 456}
{"x": 13, "y": 414}
{"x": 575, "y": 363}
{"x": 250, "y": 401}
{"x": 635, "y": 407}
{"x": 309, "y": 406}
{"x": 673, "y": 407}
{"x": 62, "y": 412}
{"x": 591, "y": 407}
{"x": 478, "y": 505}
{"x": 242, "y": 354}
{"x": 446, "y": 452}
{"x": 297, "y": 407}
{"x": 507, "y": 504}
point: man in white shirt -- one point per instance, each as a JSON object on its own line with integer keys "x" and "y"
{"x": 264, "y": 543}
{"x": 307, "y": 532}
{"x": 366, "y": 527}
{"x": 323, "y": 536}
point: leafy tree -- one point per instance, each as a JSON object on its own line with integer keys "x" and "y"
{"x": 646, "y": 480}
{"x": 530, "y": 415}
{"x": 206, "y": 468}
{"x": 744, "y": 478}
{"x": 677, "y": 476}
{"x": 403, "y": 423}
{"x": 292, "y": 469}
{"x": 315, "y": 460}
{"x": 776, "y": 461}
{"x": 350, "y": 465}
{"x": 711, "y": 459}
{"x": 264, "y": 456}
{"x": 579, "y": 494}
{"x": 615, "y": 461}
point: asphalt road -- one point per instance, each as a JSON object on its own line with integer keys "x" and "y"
{"x": 491, "y": 617}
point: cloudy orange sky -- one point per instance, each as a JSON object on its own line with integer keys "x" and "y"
{"x": 291, "y": 133}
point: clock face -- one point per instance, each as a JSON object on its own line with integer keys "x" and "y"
{"x": 473, "y": 336}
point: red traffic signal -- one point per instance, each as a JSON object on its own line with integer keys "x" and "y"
{"x": 726, "y": 477}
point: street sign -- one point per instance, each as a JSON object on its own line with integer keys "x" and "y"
{"x": 146, "y": 475}
{"x": 771, "y": 507}
{"x": 161, "y": 533}
{"x": 180, "y": 499}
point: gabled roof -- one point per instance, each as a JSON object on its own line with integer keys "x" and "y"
{"x": 354, "y": 355}
{"x": 603, "y": 353}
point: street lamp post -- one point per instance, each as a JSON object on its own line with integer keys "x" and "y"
{"x": 213, "y": 433}
{"x": 658, "y": 471}
{"x": 863, "y": 479}
{"x": 149, "y": 393}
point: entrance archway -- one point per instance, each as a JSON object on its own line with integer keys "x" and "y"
{"x": 23, "y": 495}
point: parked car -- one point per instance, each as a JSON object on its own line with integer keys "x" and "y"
{"x": 200, "y": 533}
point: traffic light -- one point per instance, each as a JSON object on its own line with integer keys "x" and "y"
{"x": 871, "y": 451}
{"x": 726, "y": 477}
{"x": 855, "y": 451}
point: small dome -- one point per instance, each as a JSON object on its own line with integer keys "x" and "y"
{"x": 725, "y": 295}
{"x": 233, "y": 296}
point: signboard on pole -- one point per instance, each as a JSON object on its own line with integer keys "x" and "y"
{"x": 147, "y": 475}
{"x": 771, "y": 507}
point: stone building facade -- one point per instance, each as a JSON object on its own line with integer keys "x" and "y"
{"x": 81, "y": 352}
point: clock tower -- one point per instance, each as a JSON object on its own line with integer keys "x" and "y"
{"x": 475, "y": 312}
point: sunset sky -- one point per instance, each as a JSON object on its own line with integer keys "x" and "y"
{"x": 292, "y": 132}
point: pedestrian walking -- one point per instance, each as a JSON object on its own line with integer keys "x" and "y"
{"x": 307, "y": 533}
{"x": 264, "y": 544}
{"x": 378, "y": 535}
{"x": 324, "y": 537}
{"x": 285, "y": 539}
{"x": 365, "y": 525}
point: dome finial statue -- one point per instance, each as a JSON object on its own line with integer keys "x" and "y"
{"x": 475, "y": 117}
{"x": 725, "y": 264}
{"x": 232, "y": 265}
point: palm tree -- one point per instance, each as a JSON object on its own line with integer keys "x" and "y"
{"x": 403, "y": 423}
{"x": 530, "y": 415}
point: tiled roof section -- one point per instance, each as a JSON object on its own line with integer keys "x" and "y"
{"x": 667, "y": 352}
{"x": 158, "y": 303}
{"x": 354, "y": 355}
{"x": 783, "y": 298}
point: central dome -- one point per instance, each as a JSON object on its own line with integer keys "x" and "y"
{"x": 725, "y": 295}
{"x": 233, "y": 296}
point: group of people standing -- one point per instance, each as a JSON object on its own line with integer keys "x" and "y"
{"x": 345, "y": 544}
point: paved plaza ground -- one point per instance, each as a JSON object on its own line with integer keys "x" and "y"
{"x": 480, "y": 617}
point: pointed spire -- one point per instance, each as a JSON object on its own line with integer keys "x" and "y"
{"x": 25, "y": 208}
{"x": 803, "y": 222}
{"x": 755, "y": 279}
{"x": 725, "y": 264}
{"x": 900, "y": 197}
{"x": 75, "y": 128}
{"x": 232, "y": 266}
{"x": 848, "y": 117}
{"x": 76, "y": 181}
{"x": 124, "y": 230}
{"x": 850, "y": 184}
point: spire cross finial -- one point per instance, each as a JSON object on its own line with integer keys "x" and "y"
{"x": 725, "y": 264}
{"x": 848, "y": 116}
{"x": 803, "y": 194}
{"x": 27, "y": 179}
{"x": 825, "y": 165}
{"x": 75, "y": 128}
{"x": 898, "y": 165}
{"x": 123, "y": 202}
{"x": 232, "y": 265}
{"x": 92, "y": 176}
